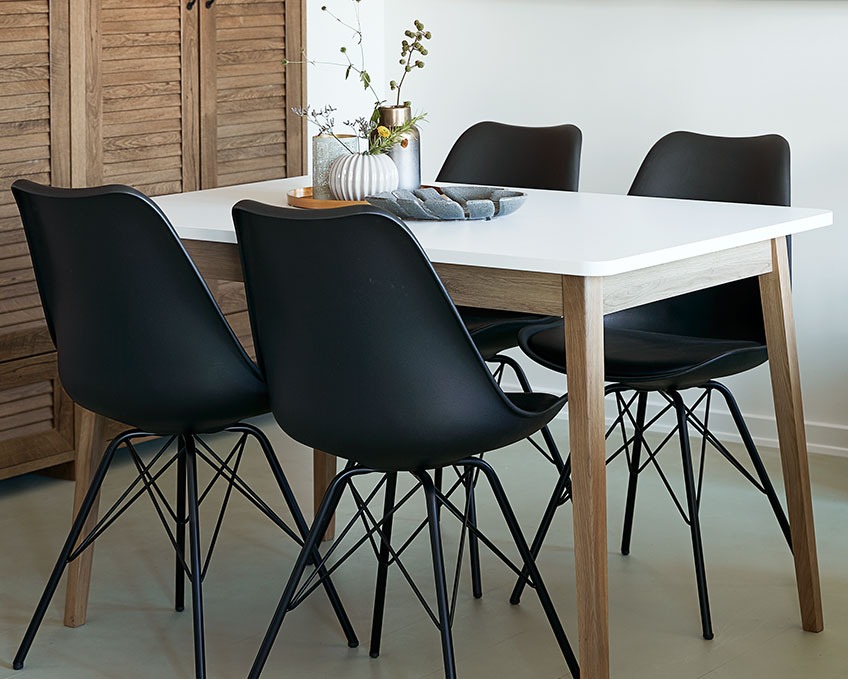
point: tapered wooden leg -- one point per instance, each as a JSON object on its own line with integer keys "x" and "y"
{"x": 90, "y": 447}
{"x": 584, "y": 342}
{"x": 323, "y": 472}
{"x": 786, "y": 387}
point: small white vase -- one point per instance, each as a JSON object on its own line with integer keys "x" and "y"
{"x": 356, "y": 175}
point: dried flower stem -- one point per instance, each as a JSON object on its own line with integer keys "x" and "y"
{"x": 408, "y": 50}
{"x": 364, "y": 76}
{"x": 378, "y": 137}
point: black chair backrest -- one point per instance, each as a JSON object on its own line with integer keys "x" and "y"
{"x": 727, "y": 169}
{"x": 139, "y": 337}
{"x": 363, "y": 351}
{"x": 512, "y": 155}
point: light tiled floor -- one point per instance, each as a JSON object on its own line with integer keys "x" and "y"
{"x": 132, "y": 630}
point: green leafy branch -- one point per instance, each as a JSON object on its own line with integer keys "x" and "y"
{"x": 379, "y": 137}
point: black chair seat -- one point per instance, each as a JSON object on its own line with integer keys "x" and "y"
{"x": 467, "y": 428}
{"x": 494, "y": 330}
{"x": 218, "y": 399}
{"x": 533, "y": 402}
{"x": 652, "y": 360}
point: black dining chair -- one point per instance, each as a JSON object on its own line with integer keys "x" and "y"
{"x": 397, "y": 387}
{"x": 521, "y": 157}
{"x": 140, "y": 339}
{"x": 517, "y": 156}
{"x": 685, "y": 342}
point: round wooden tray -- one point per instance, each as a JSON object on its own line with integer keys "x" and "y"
{"x": 303, "y": 198}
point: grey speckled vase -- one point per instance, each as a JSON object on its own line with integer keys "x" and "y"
{"x": 408, "y": 157}
{"x": 325, "y": 149}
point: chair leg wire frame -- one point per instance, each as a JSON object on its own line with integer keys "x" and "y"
{"x": 378, "y": 533}
{"x": 550, "y": 452}
{"x": 183, "y": 514}
{"x": 633, "y": 445}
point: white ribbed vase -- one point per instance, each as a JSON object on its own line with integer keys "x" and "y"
{"x": 356, "y": 175}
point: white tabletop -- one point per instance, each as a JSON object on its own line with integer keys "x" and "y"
{"x": 582, "y": 234}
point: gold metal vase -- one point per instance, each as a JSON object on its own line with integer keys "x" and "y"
{"x": 407, "y": 154}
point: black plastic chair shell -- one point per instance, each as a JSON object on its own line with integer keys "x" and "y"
{"x": 497, "y": 154}
{"x": 140, "y": 339}
{"x": 396, "y": 385}
{"x": 689, "y": 340}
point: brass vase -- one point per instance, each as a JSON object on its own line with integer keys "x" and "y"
{"x": 407, "y": 154}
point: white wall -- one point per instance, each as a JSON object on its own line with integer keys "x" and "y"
{"x": 627, "y": 72}
{"x": 326, "y": 83}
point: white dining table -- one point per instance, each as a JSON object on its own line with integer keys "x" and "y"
{"x": 579, "y": 255}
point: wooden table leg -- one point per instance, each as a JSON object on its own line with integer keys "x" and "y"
{"x": 323, "y": 472}
{"x": 786, "y": 387}
{"x": 90, "y": 445}
{"x": 584, "y": 340}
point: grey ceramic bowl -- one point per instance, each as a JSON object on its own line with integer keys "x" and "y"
{"x": 449, "y": 202}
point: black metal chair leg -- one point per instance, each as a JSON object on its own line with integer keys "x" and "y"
{"x": 756, "y": 460}
{"x": 439, "y": 574}
{"x": 635, "y": 461}
{"x": 67, "y": 549}
{"x": 692, "y": 508}
{"x": 195, "y": 563}
{"x": 179, "y": 570}
{"x": 319, "y": 526}
{"x": 563, "y": 483}
{"x": 473, "y": 543}
{"x": 438, "y": 480}
{"x": 529, "y": 564}
{"x": 552, "y": 447}
{"x": 559, "y": 463}
{"x": 516, "y": 368}
{"x": 302, "y": 526}
{"x": 383, "y": 564}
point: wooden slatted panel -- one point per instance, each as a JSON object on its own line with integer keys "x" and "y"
{"x": 26, "y": 410}
{"x": 25, "y": 150}
{"x": 231, "y": 298}
{"x": 141, "y": 85}
{"x": 245, "y": 105}
{"x": 250, "y": 102}
{"x": 36, "y": 416}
